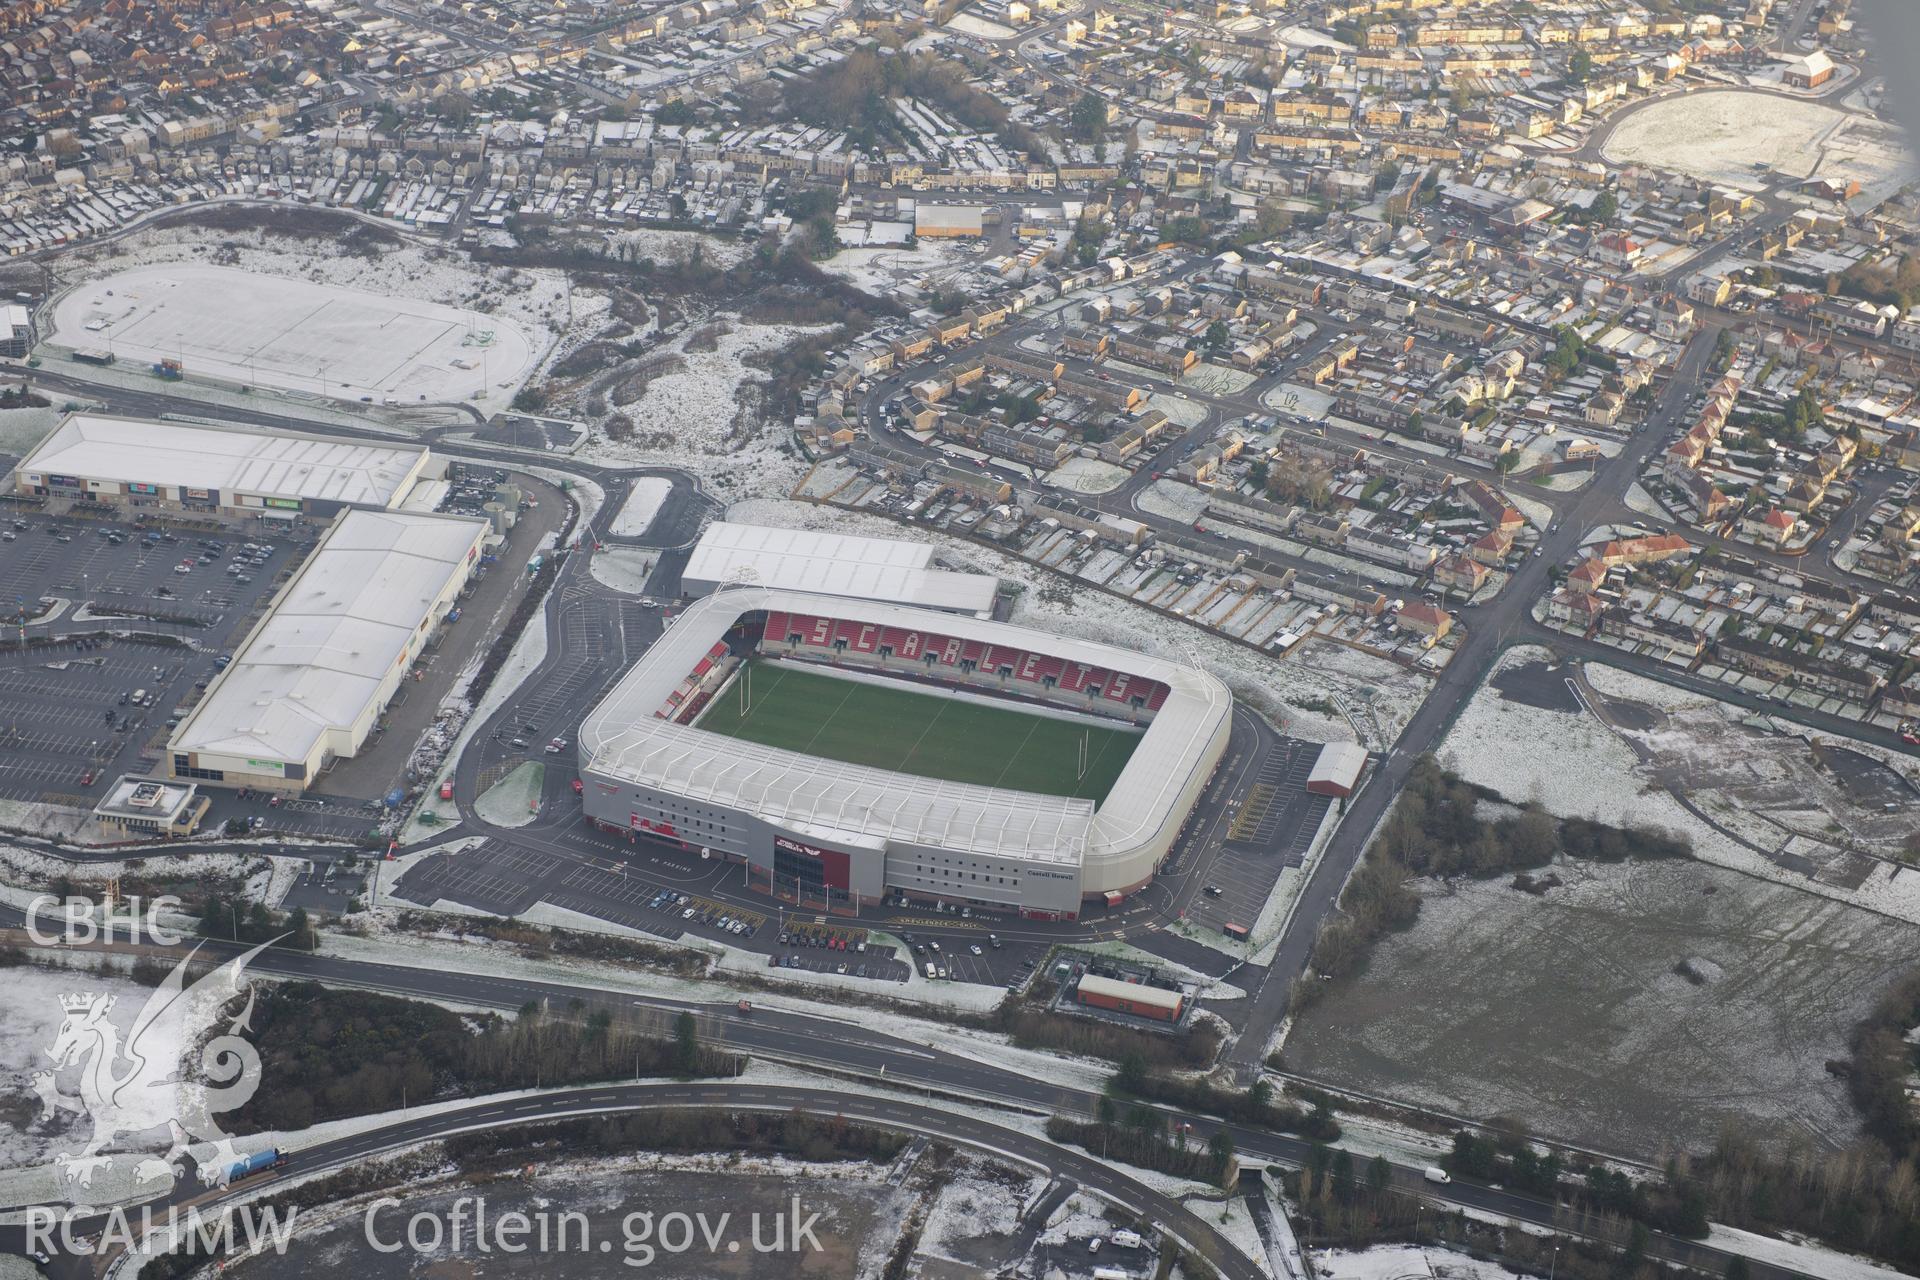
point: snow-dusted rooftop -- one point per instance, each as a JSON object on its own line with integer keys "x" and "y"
{"x": 834, "y": 564}
{"x": 232, "y": 460}
{"x": 316, "y": 662}
{"x": 623, "y": 739}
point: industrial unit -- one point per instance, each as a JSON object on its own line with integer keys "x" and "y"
{"x": 851, "y": 834}
{"x": 1336, "y": 770}
{"x": 234, "y": 470}
{"x": 308, "y": 684}
{"x": 1136, "y": 998}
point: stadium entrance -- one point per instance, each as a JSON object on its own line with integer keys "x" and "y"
{"x": 809, "y": 875}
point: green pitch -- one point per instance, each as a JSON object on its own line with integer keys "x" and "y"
{"x": 929, "y": 736}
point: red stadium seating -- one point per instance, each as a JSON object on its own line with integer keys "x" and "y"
{"x": 818, "y": 632}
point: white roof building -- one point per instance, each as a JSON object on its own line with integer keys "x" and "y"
{"x": 309, "y": 681}
{"x": 132, "y": 455}
{"x": 837, "y": 564}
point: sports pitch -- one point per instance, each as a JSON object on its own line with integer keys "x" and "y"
{"x": 297, "y": 335}
{"x": 924, "y": 734}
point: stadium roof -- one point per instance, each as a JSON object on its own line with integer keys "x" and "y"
{"x": 315, "y": 663}
{"x": 624, "y": 739}
{"x": 835, "y": 564}
{"x": 230, "y": 459}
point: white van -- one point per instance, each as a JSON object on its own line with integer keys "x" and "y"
{"x": 1436, "y": 1174}
{"x": 139, "y": 697}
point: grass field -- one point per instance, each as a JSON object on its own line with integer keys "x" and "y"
{"x": 921, "y": 733}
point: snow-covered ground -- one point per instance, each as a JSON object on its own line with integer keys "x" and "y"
{"x": 298, "y": 335}
{"x": 26, "y": 873}
{"x": 977, "y": 26}
{"x": 1578, "y": 767}
{"x": 514, "y": 801}
{"x": 623, "y": 569}
{"x": 1087, "y": 475}
{"x": 30, "y": 1020}
{"x": 692, "y": 415}
{"x": 677, "y": 246}
{"x": 880, "y": 271}
{"x": 1404, "y": 1262}
{"x": 1805, "y": 1259}
{"x": 1633, "y": 1008}
{"x": 21, "y": 429}
{"x": 53, "y": 822}
{"x": 389, "y": 324}
{"x": 1172, "y": 500}
{"x": 1722, "y": 135}
{"x": 981, "y": 1201}
{"x": 642, "y": 507}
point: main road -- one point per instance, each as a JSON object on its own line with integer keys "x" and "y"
{"x": 1489, "y": 628}
{"x": 953, "y": 1091}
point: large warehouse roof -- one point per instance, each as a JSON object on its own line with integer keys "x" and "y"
{"x": 834, "y": 564}
{"x": 230, "y": 459}
{"x": 316, "y": 661}
{"x": 623, "y": 739}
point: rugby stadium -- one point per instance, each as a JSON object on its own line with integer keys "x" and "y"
{"x": 851, "y": 750}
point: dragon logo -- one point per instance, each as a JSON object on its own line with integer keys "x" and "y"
{"x": 143, "y": 1083}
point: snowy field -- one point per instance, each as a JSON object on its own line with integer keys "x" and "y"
{"x": 1403, "y": 1262}
{"x": 297, "y": 335}
{"x": 1087, "y": 475}
{"x": 694, "y": 416}
{"x": 21, "y": 429}
{"x": 30, "y": 1018}
{"x": 1566, "y": 1010}
{"x": 1172, "y": 500}
{"x": 880, "y": 270}
{"x": 974, "y": 26}
{"x": 1578, "y": 767}
{"x": 642, "y": 507}
{"x": 1722, "y": 136}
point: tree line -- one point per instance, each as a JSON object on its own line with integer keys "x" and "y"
{"x": 800, "y": 1134}
{"x": 327, "y": 1054}
{"x": 1436, "y": 829}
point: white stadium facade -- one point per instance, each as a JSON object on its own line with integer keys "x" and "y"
{"x": 850, "y": 834}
